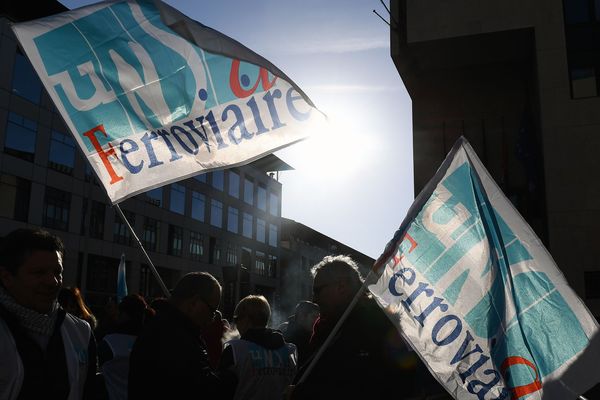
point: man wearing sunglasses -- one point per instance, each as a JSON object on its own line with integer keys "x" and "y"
{"x": 367, "y": 357}
{"x": 169, "y": 359}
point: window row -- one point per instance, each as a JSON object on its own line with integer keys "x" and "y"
{"x": 101, "y": 276}
{"x": 21, "y": 134}
{"x": 264, "y": 203}
{"x": 14, "y": 204}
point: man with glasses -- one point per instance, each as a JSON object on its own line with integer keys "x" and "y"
{"x": 169, "y": 359}
{"x": 366, "y": 358}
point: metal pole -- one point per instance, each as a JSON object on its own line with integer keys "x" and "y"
{"x": 152, "y": 268}
{"x": 336, "y": 328}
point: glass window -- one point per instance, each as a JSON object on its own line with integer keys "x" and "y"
{"x": 150, "y": 234}
{"x": 101, "y": 277}
{"x": 274, "y": 204}
{"x": 259, "y": 264}
{"x": 25, "y": 81}
{"x": 175, "y": 240}
{"x": 177, "y": 203}
{"x": 196, "y": 246}
{"x": 14, "y": 197}
{"x": 200, "y": 178}
{"x": 247, "y": 225}
{"x": 234, "y": 184}
{"x": 218, "y": 178}
{"x": 62, "y": 152}
{"x": 260, "y": 230}
{"x": 272, "y": 235}
{"x": 57, "y": 206}
{"x": 20, "y": 136}
{"x": 232, "y": 219}
{"x": 231, "y": 256}
{"x": 154, "y": 196}
{"x": 214, "y": 255}
{"x": 246, "y": 259}
{"x": 248, "y": 191}
{"x": 262, "y": 197}
{"x": 121, "y": 233}
{"x": 198, "y": 206}
{"x": 97, "y": 215}
{"x": 272, "y": 267}
{"x": 149, "y": 287}
{"x": 216, "y": 213}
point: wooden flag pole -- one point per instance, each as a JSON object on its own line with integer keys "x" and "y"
{"x": 152, "y": 268}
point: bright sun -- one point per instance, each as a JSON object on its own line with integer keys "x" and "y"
{"x": 336, "y": 149}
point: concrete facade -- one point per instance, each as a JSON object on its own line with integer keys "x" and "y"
{"x": 520, "y": 81}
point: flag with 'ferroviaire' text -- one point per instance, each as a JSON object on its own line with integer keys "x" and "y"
{"x": 475, "y": 293}
{"x": 153, "y": 97}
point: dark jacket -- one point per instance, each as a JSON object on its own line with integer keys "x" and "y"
{"x": 169, "y": 360}
{"x": 300, "y": 337}
{"x": 365, "y": 360}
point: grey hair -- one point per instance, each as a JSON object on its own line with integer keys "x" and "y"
{"x": 339, "y": 267}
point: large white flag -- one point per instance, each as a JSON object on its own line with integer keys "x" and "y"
{"x": 153, "y": 97}
{"x": 477, "y": 295}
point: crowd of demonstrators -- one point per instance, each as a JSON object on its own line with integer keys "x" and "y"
{"x": 262, "y": 362}
{"x": 48, "y": 347}
{"x": 45, "y": 352}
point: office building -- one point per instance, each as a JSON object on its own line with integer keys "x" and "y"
{"x": 521, "y": 81}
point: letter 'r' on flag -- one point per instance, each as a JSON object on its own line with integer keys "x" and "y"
{"x": 153, "y": 97}
{"x": 474, "y": 291}
{"x": 121, "y": 280}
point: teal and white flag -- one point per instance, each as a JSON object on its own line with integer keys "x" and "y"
{"x": 153, "y": 97}
{"x": 121, "y": 280}
{"x": 476, "y": 294}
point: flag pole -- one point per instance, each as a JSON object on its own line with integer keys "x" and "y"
{"x": 152, "y": 267}
{"x": 336, "y": 328}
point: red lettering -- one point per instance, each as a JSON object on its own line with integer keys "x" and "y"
{"x": 236, "y": 87}
{"x": 103, "y": 154}
{"x": 397, "y": 259}
{"x": 413, "y": 244}
{"x": 520, "y": 391}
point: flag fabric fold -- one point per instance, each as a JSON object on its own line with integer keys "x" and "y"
{"x": 153, "y": 97}
{"x": 121, "y": 280}
{"x": 476, "y": 294}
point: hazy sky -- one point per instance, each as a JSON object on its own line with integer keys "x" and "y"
{"x": 353, "y": 183}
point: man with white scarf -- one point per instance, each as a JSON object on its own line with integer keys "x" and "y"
{"x": 44, "y": 351}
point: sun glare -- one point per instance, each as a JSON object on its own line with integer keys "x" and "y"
{"x": 336, "y": 149}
